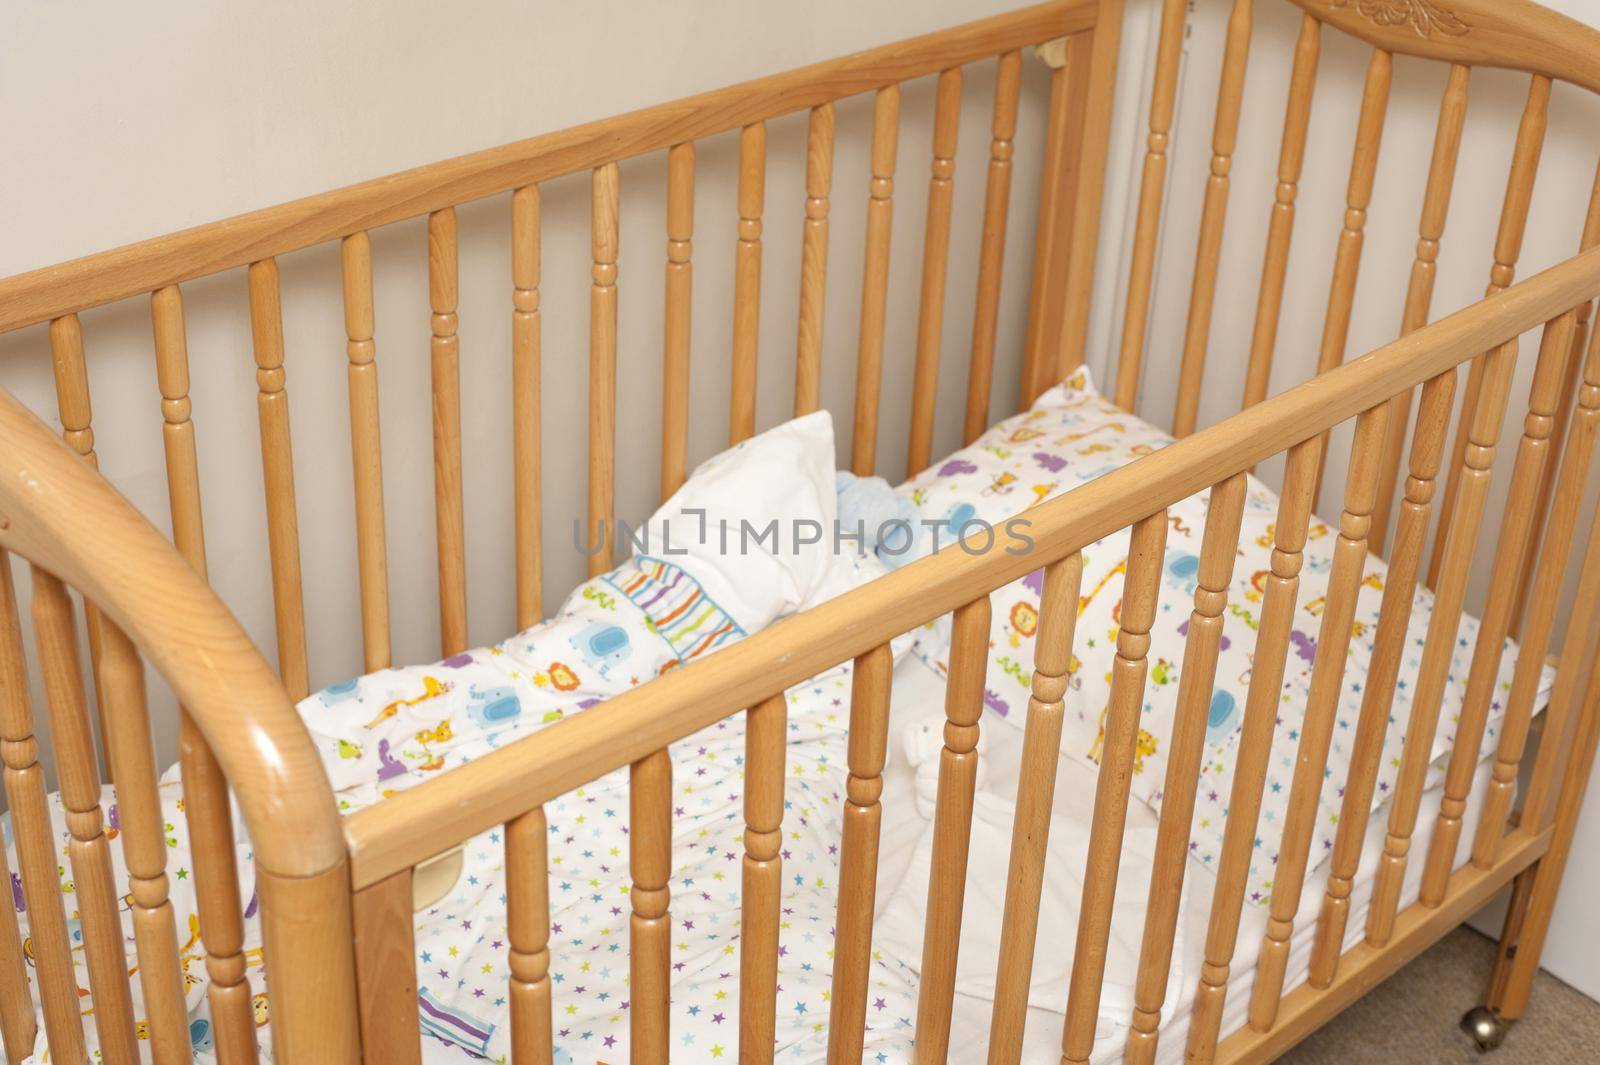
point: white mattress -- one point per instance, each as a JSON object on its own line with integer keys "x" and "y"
{"x": 919, "y": 692}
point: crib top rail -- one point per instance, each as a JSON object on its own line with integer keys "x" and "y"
{"x": 404, "y": 830}
{"x": 1515, "y": 34}
{"x": 134, "y": 269}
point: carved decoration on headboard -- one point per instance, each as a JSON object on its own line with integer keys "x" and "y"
{"x": 1423, "y": 16}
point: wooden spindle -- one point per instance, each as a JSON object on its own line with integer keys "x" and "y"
{"x": 366, "y": 450}
{"x": 35, "y": 839}
{"x": 1128, "y": 669}
{"x": 1352, "y": 235}
{"x": 952, "y": 829}
{"x": 1208, "y": 250}
{"x": 1507, "y": 249}
{"x": 603, "y": 368}
{"x": 875, "y": 279}
{"x": 858, "y": 862}
{"x": 449, "y": 510}
{"x": 747, "y": 280}
{"x": 1199, "y": 670}
{"x": 814, "y": 261}
{"x": 1255, "y": 748}
{"x": 765, "y": 744}
{"x": 386, "y": 971}
{"x": 528, "y": 929}
{"x": 1419, "y": 291}
{"x": 277, "y": 477}
{"x": 992, "y": 245}
{"x": 675, "y": 331}
{"x": 55, "y": 633}
{"x": 18, "y": 1029}
{"x": 525, "y": 417}
{"x": 935, "y": 266}
{"x": 1383, "y": 669}
{"x": 650, "y": 927}
{"x": 1036, "y": 785}
{"x": 1280, "y": 227}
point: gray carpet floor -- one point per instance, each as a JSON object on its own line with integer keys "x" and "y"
{"x": 1413, "y": 1016}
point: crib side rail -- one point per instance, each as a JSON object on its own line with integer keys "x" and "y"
{"x": 506, "y": 786}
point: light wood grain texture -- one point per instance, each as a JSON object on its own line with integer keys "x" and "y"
{"x": 18, "y": 1028}
{"x": 604, "y": 207}
{"x": 650, "y": 926}
{"x": 444, "y": 284}
{"x": 814, "y": 260}
{"x": 747, "y": 280}
{"x": 1218, "y": 549}
{"x": 1254, "y": 748}
{"x": 386, "y": 967}
{"x": 875, "y": 280}
{"x": 1419, "y": 289}
{"x": 1208, "y": 247}
{"x": 1036, "y": 785}
{"x": 992, "y": 245}
{"x": 935, "y": 266}
{"x": 675, "y": 328}
{"x": 858, "y": 861}
{"x": 525, "y": 405}
{"x": 952, "y": 829}
{"x": 528, "y": 929}
{"x": 366, "y": 452}
{"x": 277, "y": 477}
{"x": 1125, "y": 703}
{"x": 1152, "y": 187}
{"x": 765, "y": 743}
{"x": 1507, "y": 249}
{"x": 1280, "y": 225}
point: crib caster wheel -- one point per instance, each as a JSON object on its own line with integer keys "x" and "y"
{"x": 1487, "y": 1027}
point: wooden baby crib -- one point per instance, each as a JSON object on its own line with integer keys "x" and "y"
{"x": 335, "y": 892}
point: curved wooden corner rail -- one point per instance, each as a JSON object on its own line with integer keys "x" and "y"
{"x": 134, "y": 269}
{"x": 394, "y": 834}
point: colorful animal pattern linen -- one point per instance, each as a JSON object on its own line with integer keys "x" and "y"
{"x": 1073, "y": 435}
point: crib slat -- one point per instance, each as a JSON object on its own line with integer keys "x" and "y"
{"x": 1419, "y": 290}
{"x": 386, "y": 972}
{"x": 177, "y": 432}
{"x": 675, "y": 332}
{"x": 277, "y": 477}
{"x": 858, "y": 862}
{"x": 1483, "y": 676}
{"x": 814, "y": 261}
{"x": 449, "y": 510}
{"x": 18, "y": 1029}
{"x": 992, "y": 246}
{"x": 525, "y": 419}
{"x": 1553, "y": 554}
{"x": 935, "y": 266}
{"x": 650, "y": 927}
{"x": 1152, "y": 187}
{"x": 1507, "y": 249}
{"x": 366, "y": 450}
{"x": 35, "y": 837}
{"x": 528, "y": 928}
{"x": 1280, "y": 227}
{"x": 765, "y": 743}
{"x": 1036, "y": 785}
{"x": 1321, "y": 707}
{"x": 1358, "y": 195}
{"x": 1199, "y": 669}
{"x": 89, "y": 850}
{"x": 1389, "y": 646}
{"x": 875, "y": 279}
{"x": 1121, "y": 725}
{"x": 952, "y": 829}
{"x": 747, "y": 280}
{"x": 1254, "y": 748}
{"x": 1208, "y": 250}
{"x": 603, "y": 368}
